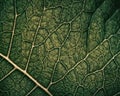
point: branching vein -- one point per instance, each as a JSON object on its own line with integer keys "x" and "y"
{"x": 27, "y": 74}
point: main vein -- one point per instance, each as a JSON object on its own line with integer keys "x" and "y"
{"x": 27, "y": 74}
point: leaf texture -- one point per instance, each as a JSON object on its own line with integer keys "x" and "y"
{"x": 59, "y": 48}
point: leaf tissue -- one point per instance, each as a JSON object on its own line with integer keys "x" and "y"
{"x": 59, "y": 47}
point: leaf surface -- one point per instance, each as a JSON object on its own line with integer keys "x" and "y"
{"x": 59, "y": 48}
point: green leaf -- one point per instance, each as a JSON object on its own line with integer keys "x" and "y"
{"x": 59, "y": 48}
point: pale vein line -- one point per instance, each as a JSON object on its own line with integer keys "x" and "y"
{"x": 81, "y": 61}
{"x": 117, "y": 94}
{"x": 27, "y": 74}
{"x": 53, "y": 72}
{"x": 7, "y": 74}
{"x": 113, "y": 57}
{"x": 63, "y": 44}
{"x": 29, "y": 58}
{"x": 39, "y": 24}
{"x": 13, "y": 29}
{"x": 52, "y": 32}
{"x": 31, "y": 90}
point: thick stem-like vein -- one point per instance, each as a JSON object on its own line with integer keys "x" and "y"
{"x": 27, "y": 74}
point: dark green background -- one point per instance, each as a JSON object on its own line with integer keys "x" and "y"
{"x": 76, "y": 47}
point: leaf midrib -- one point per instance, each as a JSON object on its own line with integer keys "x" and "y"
{"x": 26, "y": 73}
